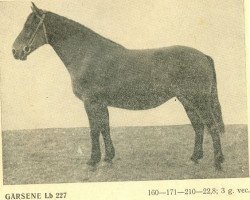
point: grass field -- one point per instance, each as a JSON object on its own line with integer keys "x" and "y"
{"x": 142, "y": 153}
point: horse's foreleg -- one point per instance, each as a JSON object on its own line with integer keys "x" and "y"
{"x": 105, "y": 130}
{"x": 94, "y": 116}
{"x": 99, "y": 123}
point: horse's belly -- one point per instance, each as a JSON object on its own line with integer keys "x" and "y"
{"x": 139, "y": 101}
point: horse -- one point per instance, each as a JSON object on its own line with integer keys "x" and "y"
{"x": 106, "y": 74}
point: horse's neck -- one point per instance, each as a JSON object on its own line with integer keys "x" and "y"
{"x": 66, "y": 37}
{"x": 71, "y": 41}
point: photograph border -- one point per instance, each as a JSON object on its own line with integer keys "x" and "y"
{"x": 140, "y": 189}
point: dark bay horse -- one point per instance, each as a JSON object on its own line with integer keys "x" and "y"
{"x": 104, "y": 73}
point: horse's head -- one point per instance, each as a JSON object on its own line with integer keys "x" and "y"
{"x": 32, "y": 36}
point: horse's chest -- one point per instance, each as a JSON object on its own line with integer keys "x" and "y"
{"x": 79, "y": 89}
{"x": 84, "y": 89}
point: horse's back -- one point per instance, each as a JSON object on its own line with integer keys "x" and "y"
{"x": 168, "y": 65}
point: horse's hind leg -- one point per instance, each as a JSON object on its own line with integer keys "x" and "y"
{"x": 201, "y": 104}
{"x": 218, "y": 155}
{"x": 198, "y": 127}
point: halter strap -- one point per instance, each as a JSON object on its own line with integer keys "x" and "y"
{"x": 35, "y": 33}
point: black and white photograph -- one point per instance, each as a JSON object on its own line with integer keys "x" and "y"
{"x": 116, "y": 91}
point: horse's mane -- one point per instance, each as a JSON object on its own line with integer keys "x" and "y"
{"x": 73, "y": 26}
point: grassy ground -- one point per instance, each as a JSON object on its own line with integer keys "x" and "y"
{"x": 142, "y": 153}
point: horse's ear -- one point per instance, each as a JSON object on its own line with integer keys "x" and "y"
{"x": 36, "y": 10}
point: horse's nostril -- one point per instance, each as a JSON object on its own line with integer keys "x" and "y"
{"x": 26, "y": 49}
{"x": 14, "y": 51}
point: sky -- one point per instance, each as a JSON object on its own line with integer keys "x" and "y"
{"x": 37, "y": 93}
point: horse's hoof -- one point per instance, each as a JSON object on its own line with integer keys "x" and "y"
{"x": 92, "y": 162}
{"x": 91, "y": 168}
{"x": 218, "y": 167}
{"x": 218, "y": 161}
{"x": 196, "y": 157}
{"x": 221, "y": 159}
{"x": 107, "y": 165}
{"x": 196, "y": 161}
{"x": 110, "y": 154}
{"x": 108, "y": 160}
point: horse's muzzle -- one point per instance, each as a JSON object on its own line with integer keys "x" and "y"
{"x": 19, "y": 55}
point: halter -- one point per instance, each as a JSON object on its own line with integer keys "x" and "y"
{"x": 35, "y": 33}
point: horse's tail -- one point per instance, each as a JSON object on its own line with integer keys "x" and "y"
{"x": 215, "y": 104}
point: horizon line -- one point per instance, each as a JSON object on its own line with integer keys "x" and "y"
{"x": 129, "y": 126}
